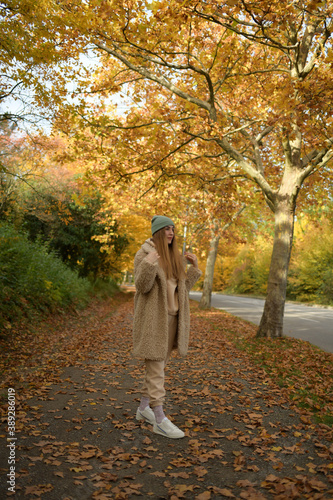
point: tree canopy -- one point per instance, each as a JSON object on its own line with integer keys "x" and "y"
{"x": 221, "y": 94}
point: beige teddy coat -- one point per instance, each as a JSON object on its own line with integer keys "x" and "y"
{"x": 150, "y": 327}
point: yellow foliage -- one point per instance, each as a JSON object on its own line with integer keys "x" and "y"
{"x": 311, "y": 275}
{"x": 246, "y": 270}
{"x": 137, "y": 230}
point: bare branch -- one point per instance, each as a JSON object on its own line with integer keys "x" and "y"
{"x": 3, "y": 96}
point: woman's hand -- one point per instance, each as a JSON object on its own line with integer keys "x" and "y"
{"x": 152, "y": 257}
{"x": 192, "y": 259}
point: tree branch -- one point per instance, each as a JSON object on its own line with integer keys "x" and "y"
{"x": 3, "y": 96}
{"x": 161, "y": 80}
{"x": 257, "y": 176}
{"x": 231, "y": 22}
{"x": 316, "y": 161}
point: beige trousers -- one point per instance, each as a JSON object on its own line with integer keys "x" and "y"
{"x": 153, "y": 384}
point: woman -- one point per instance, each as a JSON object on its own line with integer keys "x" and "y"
{"x": 161, "y": 316}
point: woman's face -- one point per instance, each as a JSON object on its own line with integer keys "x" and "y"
{"x": 169, "y": 232}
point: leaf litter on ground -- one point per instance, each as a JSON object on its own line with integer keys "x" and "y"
{"x": 250, "y": 431}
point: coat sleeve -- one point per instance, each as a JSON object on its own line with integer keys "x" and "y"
{"x": 192, "y": 277}
{"x": 144, "y": 273}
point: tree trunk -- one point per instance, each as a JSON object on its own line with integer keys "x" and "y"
{"x": 271, "y": 324}
{"x": 206, "y": 297}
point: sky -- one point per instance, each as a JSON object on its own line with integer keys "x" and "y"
{"x": 22, "y": 102}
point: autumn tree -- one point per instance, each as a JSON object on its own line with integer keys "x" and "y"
{"x": 202, "y": 206}
{"x": 36, "y": 63}
{"x": 217, "y": 231}
{"x": 70, "y": 222}
{"x": 249, "y": 83}
{"x": 21, "y": 166}
{"x": 246, "y": 86}
{"x": 197, "y": 202}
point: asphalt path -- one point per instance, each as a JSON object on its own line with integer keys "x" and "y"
{"x": 314, "y": 324}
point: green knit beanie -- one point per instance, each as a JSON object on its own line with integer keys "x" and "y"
{"x": 159, "y": 222}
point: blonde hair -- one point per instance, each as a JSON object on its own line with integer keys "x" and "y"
{"x": 170, "y": 259}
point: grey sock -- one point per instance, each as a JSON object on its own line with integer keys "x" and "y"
{"x": 144, "y": 403}
{"x": 159, "y": 413}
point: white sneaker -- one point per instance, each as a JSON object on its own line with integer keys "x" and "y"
{"x": 147, "y": 414}
{"x": 168, "y": 429}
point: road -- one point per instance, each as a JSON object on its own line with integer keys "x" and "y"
{"x": 314, "y": 324}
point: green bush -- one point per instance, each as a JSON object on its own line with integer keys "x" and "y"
{"x": 104, "y": 288}
{"x": 69, "y": 225}
{"x": 31, "y": 279}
